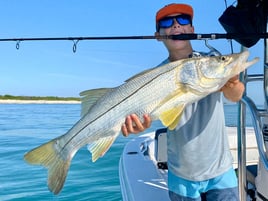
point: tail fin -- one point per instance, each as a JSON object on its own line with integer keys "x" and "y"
{"x": 49, "y": 157}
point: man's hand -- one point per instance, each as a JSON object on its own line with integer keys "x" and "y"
{"x": 233, "y": 89}
{"x": 134, "y": 125}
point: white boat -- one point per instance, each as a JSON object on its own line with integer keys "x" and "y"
{"x": 143, "y": 169}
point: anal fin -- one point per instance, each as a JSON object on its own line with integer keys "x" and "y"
{"x": 100, "y": 147}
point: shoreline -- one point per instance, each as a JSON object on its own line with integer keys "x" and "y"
{"x": 9, "y": 101}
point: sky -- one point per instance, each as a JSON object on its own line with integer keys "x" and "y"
{"x": 51, "y": 68}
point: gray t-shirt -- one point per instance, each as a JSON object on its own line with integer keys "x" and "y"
{"x": 198, "y": 147}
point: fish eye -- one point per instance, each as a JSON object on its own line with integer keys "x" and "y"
{"x": 223, "y": 58}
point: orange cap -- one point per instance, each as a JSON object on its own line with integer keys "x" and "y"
{"x": 172, "y": 9}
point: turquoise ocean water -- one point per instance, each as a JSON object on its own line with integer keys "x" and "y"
{"x": 25, "y": 126}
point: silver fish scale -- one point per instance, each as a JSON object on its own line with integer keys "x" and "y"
{"x": 126, "y": 90}
{"x": 149, "y": 92}
{"x": 108, "y": 114}
{"x": 132, "y": 97}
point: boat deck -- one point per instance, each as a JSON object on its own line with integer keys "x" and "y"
{"x": 139, "y": 183}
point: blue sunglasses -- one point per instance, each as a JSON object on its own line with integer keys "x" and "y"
{"x": 167, "y": 22}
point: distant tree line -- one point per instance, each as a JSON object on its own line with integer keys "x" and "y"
{"x": 55, "y": 98}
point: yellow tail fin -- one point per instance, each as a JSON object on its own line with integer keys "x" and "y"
{"x": 48, "y": 156}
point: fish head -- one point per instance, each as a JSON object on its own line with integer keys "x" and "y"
{"x": 223, "y": 66}
{"x": 214, "y": 72}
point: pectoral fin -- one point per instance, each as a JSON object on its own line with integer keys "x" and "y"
{"x": 170, "y": 118}
{"x": 175, "y": 122}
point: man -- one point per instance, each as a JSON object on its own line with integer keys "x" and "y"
{"x": 199, "y": 159}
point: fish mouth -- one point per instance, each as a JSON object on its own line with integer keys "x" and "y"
{"x": 244, "y": 55}
{"x": 242, "y": 62}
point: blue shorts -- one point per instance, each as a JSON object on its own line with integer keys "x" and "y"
{"x": 223, "y": 187}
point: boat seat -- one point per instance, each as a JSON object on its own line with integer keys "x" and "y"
{"x": 161, "y": 148}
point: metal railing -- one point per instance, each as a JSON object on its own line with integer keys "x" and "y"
{"x": 257, "y": 117}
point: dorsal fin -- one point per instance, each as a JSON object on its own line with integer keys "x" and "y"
{"x": 90, "y": 97}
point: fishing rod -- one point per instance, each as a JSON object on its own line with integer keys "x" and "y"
{"x": 175, "y": 37}
{"x": 211, "y": 36}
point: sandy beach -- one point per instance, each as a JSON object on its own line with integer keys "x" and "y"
{"x": 37, "y": 102}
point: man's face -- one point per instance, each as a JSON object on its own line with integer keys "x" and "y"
{"x": 175, "y": 29}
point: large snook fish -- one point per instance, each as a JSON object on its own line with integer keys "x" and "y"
{"x": 161, "y": 92}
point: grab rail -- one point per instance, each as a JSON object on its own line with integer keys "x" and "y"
{"x": 256, "y": 115}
